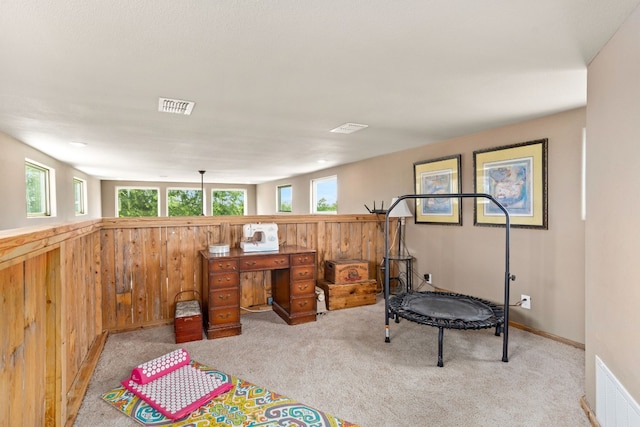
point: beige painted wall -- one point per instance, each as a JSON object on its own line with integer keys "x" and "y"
{"x": 613, "y": 203}
{"x": 109, "y": 194}
{"x": 549, "y": 264}
{"x": 13, "y": 209}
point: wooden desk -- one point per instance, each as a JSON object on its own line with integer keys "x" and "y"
{"x": 293, "y": 284}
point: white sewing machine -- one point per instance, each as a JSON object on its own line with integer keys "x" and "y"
{"x": 259, "y": 237}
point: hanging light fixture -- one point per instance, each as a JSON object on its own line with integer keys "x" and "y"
{"x": 202, "y": 189}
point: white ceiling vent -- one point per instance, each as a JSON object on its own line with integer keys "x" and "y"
{"x": 349, "y": 128}
{"x": 176, "y": 106}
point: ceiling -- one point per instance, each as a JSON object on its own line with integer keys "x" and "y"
{"x": 270, "y": 79}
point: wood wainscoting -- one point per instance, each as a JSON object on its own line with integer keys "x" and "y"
{"x": 147, "y": 261}
{"x": 63, "y": 288}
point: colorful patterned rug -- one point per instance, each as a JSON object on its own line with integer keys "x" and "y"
{"x": 245, "y": 405}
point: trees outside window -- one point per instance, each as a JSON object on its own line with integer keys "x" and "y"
{"x": 39, "y": 190}
{"x": 324, "y": 195}
{"x": 284, "y": 198}
{"x": 228, "y": 202}
{"x": 135, "y": 202}
{"x": 184, "y": 202}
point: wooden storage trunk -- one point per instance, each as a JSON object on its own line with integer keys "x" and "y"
{"x": 188, "y": 322}
{"x": 348, "y": 295}
{"x": 346, "y": 271}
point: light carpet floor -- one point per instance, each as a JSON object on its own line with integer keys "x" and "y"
{"x": 340, "y": 364}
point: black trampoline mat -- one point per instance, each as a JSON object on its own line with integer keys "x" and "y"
{"x": 449, "y": 307}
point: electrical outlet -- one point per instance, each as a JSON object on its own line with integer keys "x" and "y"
{"x": 427, "y": 278}
{"x": 525, "y": 301}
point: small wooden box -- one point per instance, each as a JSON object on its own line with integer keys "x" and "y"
{"x": 346, "y": 271}
{"x": 348, "y": 295}
{"x": 188, "y": 322}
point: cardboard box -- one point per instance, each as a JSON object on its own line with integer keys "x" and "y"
{"x": 346, "y": 271}
{"x": 348, "y": 295}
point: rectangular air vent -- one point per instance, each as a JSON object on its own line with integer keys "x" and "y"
{"x": 349, "y": 128}
{"x": 175, "y": 106}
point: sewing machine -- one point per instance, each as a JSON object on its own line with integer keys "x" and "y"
{"x": 259, "y": 237}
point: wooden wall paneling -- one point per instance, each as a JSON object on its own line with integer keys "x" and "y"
{"x": 255, "y": 287}
{"x": 201, "y": 243}
{"x": 73, "y": 296}
{"x": 35, "y": 300}
{"x": 139, "y": 284}
{"x": 108, "y": 278}
{"x": 288, "y": 234}
{"x": 321, "y": 247}
{"x": 55, "y": 408}
{"x": 367, "y": 241}
{"x": 151, "y": 266}
{"x": 190, "y": 246}
{"x": 96, "y": 268}
{"x": 123, "y": 278}
{"x": 355, "y": 240}
{"x": 235, "y": 234}
{"x": 164, "y": 274}
{"x": 174, "y": 273}
{"x": 12, "y": 369}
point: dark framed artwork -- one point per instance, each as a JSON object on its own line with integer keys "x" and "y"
{"x": 438, "y": 176}
{"x": 516, "y": 176}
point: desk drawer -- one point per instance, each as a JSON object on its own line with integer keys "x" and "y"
{"x": 301, "y": 305}
{"x": 307, "y": 272}
{"x": 303, "y": 288}
{"x": 223, "y": 280}
{"x": 220, "y": 316}
{"x": 263, "y": 262}
{"x": 223, "y": 265}
{"x": 303, "y": 259}
{"x": 224, "y": 297}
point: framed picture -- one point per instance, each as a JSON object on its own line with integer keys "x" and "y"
{"x": 516, "y": 176}
{"x": 438, "y": 176}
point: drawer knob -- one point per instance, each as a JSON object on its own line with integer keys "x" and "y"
{"x": 303, "y": 303}
{"x": 302, "y": 288}
{"x": 223, "y": 297}
{"x": 224, "y": 316}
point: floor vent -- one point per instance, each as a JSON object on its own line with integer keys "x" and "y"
{"x": 615, "y": 407}
{"x": 175, "y": 106}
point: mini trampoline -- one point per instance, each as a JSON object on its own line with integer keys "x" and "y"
{"x": 446, "y": 310}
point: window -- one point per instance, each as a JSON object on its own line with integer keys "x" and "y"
{"x": 134, "y": 202}
{"x": 284, "y": 198}
{"x": 324, "y": 195}
{"x": 80, "y": 196}
{"x": 184, "y": 202}
{"x": 39, "y": 189}
{"x": 228, "y": 202}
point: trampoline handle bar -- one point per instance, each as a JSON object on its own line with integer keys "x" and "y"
{"x": 507, "y": 278}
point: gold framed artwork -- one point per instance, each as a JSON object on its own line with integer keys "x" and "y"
{"x": 438, "y": 176}
{"x": 516, "y": 176}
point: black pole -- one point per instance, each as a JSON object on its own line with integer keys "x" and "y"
{"x": 202, "y": 189}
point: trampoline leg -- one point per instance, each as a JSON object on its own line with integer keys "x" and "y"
{"x": 440, "y": 339}
{"x": 498, "y": 329}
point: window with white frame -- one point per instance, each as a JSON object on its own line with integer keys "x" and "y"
{"x": 40, "y": 189}
{"x": 284, "y": 198}
{"x": 324, "y": 195}
{"x": 184, "y": 202}
{"x": 80, "y": 196}
{"x": 228, "y": 202}
{"x": 137, "y": 201}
